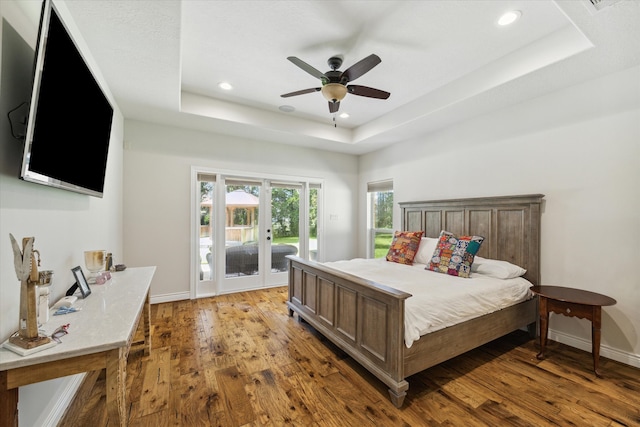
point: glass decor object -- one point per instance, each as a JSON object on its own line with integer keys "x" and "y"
{"x": 94, "y": 261}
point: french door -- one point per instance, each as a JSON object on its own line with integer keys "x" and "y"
{"x": 246, "y": 226}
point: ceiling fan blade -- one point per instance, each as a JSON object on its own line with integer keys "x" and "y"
{"x": 308, "y": 68}
{"x": 361, "y": 67}
{"x": 301, "y": 92}
{"x": 334, "y": 106}
{"x": 369, "y": 92}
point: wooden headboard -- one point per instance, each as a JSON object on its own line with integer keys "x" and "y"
{"x": 509, "y": 224}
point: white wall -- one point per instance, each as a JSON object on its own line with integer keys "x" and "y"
{"x": 64, "y": 224}
{"x": 157, "y": 173}
{"x": 581, "y": 148}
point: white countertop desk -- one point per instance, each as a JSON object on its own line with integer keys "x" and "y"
{"x": 100, "y": 336}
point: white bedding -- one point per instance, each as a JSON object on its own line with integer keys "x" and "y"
{"x": 438, "y": 300}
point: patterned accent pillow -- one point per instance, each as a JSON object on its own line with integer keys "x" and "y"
{"x": 454, "y": 254}
{"x": 404, "y": 246}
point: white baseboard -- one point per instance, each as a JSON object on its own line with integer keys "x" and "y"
{"x": 177, "y": 296}
{"x": 608, "y": 352}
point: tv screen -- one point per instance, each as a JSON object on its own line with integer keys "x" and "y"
{"x": 69, "y": 123}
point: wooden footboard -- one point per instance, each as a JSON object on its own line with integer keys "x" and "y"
{"x": 363, "y": 318}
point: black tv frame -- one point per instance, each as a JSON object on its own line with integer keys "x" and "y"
{"x": 70, "y": 116}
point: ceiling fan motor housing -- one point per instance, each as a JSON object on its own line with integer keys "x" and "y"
{"x": 333, "y": 77}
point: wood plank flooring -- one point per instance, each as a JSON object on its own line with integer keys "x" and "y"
{"x": 240, "y": 360}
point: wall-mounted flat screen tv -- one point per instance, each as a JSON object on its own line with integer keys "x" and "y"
{"x": 69, "y": 123}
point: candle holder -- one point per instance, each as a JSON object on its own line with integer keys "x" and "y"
{"x": 94, "y": 261}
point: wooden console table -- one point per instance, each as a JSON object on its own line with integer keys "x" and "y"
{"x": 100, "y": 336}
{"x": 573, "y": 303}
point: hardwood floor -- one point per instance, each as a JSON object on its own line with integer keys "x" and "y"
{"x": 240, "y": 360}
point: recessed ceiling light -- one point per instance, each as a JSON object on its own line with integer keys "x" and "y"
{"x": 287, "y": 108}
{"x": 509, "y": 17}
{"x": 344, "y": 115}
{"x": 225, "y": 85}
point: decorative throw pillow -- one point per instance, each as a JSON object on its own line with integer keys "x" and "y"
{"x": 404, "y": 246}
{"x": 454, "y": 254}
{"x": 425, "y": 251}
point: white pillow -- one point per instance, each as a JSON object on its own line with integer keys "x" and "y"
{"x": 496, "y": 268}
{"x": 425, "y": 250}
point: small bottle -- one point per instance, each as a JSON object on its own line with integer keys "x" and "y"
{"x": 108, "y": 262}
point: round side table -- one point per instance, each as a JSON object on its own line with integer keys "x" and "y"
{"x": 572, "y": 302}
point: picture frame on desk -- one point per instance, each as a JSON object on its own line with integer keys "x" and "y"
{"x": 81, "y": 281}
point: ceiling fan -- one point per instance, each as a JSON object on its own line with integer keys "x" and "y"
{"x": 335, "y": 83}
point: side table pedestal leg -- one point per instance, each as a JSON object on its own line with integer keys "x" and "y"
{"x": 544, "y": 326}
{"x": 596, "y": 324}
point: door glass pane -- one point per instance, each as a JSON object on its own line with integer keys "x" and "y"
{"x": 313, "y": 224}
{"x": 206, "y": 230}
{"x": 241, "y": 229}
{"x": 285, "y": 225}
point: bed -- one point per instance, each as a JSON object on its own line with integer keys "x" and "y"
{"x": 351, "y": 311}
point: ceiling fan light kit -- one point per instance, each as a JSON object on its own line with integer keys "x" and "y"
{"x": 334, "y": 83}
{"x": 334, "y": 92}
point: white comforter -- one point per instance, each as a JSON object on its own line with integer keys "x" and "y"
{"x": 438, "y": 300}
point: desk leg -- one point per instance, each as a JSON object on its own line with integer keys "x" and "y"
{"x": 116, "y": 387}
{"x": 596, "y": 324}
{"x": 8, "y": 403}
{"x": 146, "y": 314}
{"x": 544, "y": 326}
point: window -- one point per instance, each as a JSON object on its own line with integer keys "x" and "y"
{"x": 380, "y": 203}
